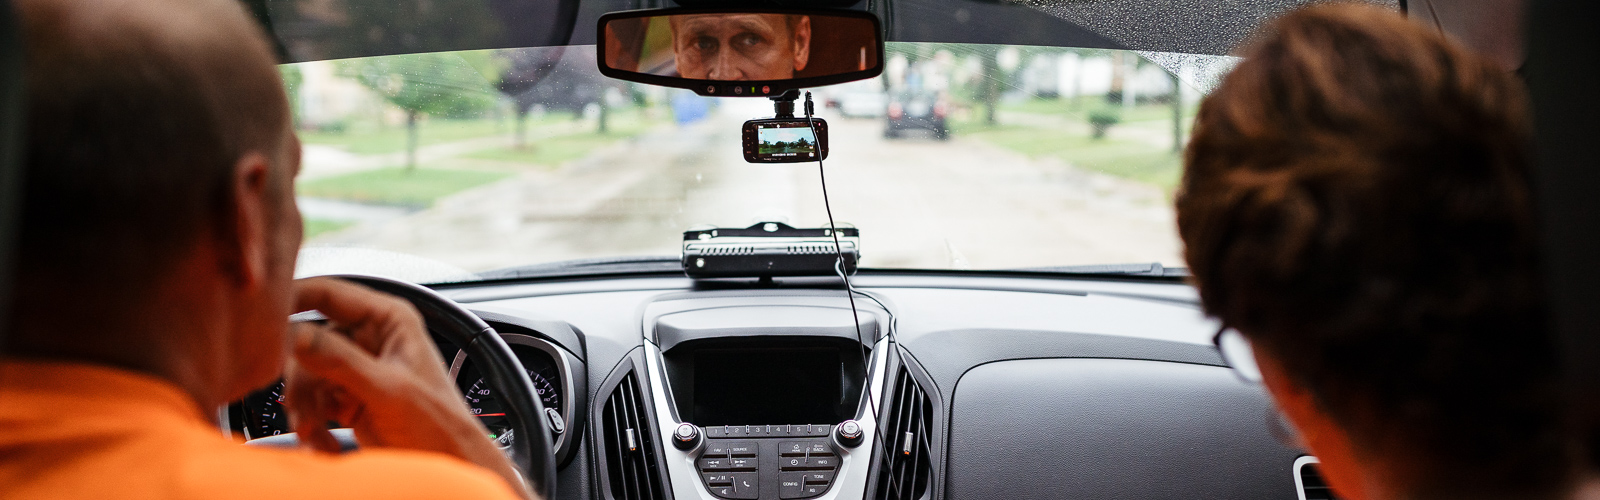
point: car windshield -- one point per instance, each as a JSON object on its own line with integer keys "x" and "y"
{"x": 960, "y": 156}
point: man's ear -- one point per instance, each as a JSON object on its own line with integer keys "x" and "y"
{"x": 246, "y": 238}
{"x": 802, "y": 43}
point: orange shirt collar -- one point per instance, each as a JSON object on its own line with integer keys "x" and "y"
{"x": 79, "y": 388}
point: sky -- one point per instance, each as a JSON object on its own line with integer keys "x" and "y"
{"x": 771, "y": 135}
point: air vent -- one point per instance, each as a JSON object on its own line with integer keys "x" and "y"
{"x": 908, "y": 426}
{"x": 632, "y": 467}
{"x": 1309, "y": 480}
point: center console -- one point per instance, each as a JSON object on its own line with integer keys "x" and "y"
{"x": 765, "y": 402}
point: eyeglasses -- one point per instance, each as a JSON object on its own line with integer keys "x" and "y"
{"x": 1237, "y": 353}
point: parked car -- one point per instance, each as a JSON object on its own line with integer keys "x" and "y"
{"x": 912, "y": 110}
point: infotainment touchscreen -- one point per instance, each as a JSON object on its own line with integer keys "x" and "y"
{"x": 768, "y": 386}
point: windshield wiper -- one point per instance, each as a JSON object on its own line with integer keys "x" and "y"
{"x": 585, "y": 267}
{"x": 1154, "y": 269}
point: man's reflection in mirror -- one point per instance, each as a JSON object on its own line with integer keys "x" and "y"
{"x": 741, "y": 47}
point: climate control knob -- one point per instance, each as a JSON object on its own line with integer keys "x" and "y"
{"x": 848, "y": 433}
{"x": 686, "y": 437}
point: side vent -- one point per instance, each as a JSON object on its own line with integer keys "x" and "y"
{"x": 907, "y": 430}
{"x": 632, "y": 467}
{"x": 1308, "y": 480}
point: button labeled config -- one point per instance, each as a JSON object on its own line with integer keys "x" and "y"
{"x": 791, "y": 485}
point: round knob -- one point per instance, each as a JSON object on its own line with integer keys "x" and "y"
{"x": 686, "y": 437}
{"x": 848, "y": 433}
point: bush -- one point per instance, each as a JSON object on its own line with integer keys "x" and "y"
{"x": 1102, "y": 119}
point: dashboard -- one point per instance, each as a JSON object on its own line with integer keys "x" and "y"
{"x": 933, "y": 386}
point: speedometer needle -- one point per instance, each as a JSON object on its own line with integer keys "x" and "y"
{"x": 491, "y": 414}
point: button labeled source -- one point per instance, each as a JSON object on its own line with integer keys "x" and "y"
{"x": 742, "y": 448}
{"x": 791, "y": 485}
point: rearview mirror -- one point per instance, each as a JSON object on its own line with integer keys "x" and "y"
{"x": 740, "y": 52}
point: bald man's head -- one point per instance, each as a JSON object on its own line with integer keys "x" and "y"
{"x": 137, "y": 112}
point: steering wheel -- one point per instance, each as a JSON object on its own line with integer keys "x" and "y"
{"x": 531, "y": 448}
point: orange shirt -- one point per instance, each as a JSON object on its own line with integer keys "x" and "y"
{"x": 80, "y": 431}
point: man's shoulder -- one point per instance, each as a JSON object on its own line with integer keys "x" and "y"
{"x": 374, "y": 473}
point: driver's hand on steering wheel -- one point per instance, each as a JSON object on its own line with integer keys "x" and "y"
{"x": 373, "y": 368}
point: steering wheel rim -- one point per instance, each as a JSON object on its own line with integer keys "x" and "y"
{"x": 532, "y": 450}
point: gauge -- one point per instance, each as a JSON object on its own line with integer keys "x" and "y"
{"x": 487, "y": 407}
{"x": 540, "y": 359}
{"x": 264, "y": 414}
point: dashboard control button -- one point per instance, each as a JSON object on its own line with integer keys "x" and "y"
{"x": 742, "y": 463}
{"x": 819, "y": 477}
{"x": 746, "y": 486}
{"x": 735, "y": 431}
{"x": 716, "y": 448}
{"x": 791, "y": 485}
{"x": 742, "y": 448}
{"x": 716, "y": 432}
{"x": 719, "y": 479}
{"x": 812, "y": 490}
{"x": 792, "y": 463}
{"x": 822, "y": 462}
{"x": 686, "y": 436}
{"x": 777, "y": 430}
{"x": 818, "y": 430}
{"x": 713, "y": 464}
{"x": 723, "y": 491}
{"x": 792, "y": 449}
{"x": 849, "y": 433}
{"x": 820, "y": 449}
{"x": 756, "y": 431}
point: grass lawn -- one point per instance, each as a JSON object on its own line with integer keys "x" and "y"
{"x": 558, "y": 149}
{"x": 1133, "y": 160}
{"x": 1081, "y": 106}
{"x": 315, "y": 227}
{"x": 365, "y": 137}
{"x": 397, "y": 186}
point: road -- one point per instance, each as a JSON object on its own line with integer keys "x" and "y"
{"x": 918, "y": 202}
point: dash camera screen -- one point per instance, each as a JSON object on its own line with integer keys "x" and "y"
{"x": 783, "y": 142}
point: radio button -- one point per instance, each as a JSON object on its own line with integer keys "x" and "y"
{"x": 742, "y": 448}
{"x": 719, "y": 479}
{"x": 791, "y": 463}
{"x": 742, "y": 463}
{"x": 792, "y": 448}
{"x": 812, "y": 490}
{"x": 821, "y": 462}
{"x": 821, "y": 449}
{"x": 819, "y": 477}
{"x": 791, "y": 485}
{"x": 715, "y": 449}
{"x": 713, "y": 464}
{"x": 746, "y": 486}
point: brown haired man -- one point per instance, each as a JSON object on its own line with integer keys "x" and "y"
{"x": 158, "y": 242}
{"x": 1355, "y": 203}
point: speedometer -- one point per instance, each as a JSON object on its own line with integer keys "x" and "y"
{"x": 541, "y": 360}
{"x": 486, "y": 406}
{"x": 264, "y": 414}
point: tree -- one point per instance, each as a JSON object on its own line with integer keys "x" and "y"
{"x": 988, "y": 91}
{"x": 423, "y": 84}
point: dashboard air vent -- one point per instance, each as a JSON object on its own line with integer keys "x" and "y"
{"x": 1309, "y": 479}
{"x": 632, "y": 467}
{"x": 908, "y": 426}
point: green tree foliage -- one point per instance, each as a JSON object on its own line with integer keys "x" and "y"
{"x": 435, "y": 84}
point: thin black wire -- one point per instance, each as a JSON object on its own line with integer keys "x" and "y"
{"x": 850, "y": 293}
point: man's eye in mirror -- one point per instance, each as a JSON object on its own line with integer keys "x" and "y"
{"x": 706, "y": 44}
{"x": 748, "y": 40}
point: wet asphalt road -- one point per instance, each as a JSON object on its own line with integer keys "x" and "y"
{"x": 918, "y": 202}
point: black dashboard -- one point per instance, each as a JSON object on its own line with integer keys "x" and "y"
{"x": 957, "y": 386}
